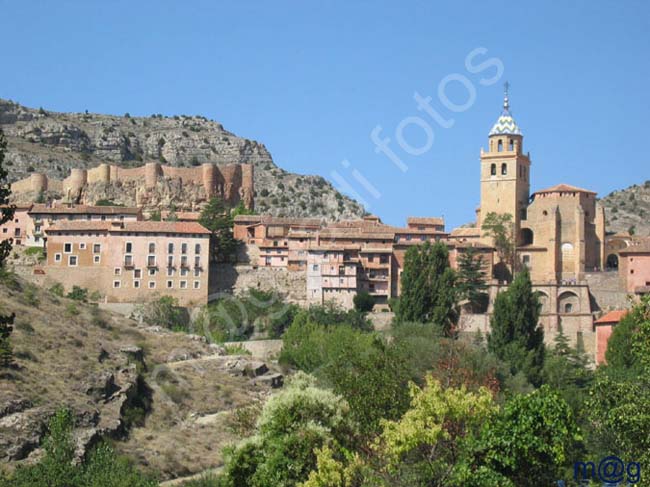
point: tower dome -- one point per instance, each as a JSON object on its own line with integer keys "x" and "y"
{"x": 505, "y": 125}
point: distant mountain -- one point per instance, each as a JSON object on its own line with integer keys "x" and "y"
{"x": 628, "y": 209}
{"x": 53, "y": 143}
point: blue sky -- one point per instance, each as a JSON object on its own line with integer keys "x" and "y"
{"x": 311, "y": 80}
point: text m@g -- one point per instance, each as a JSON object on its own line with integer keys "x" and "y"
{"x": 610, "y": 469}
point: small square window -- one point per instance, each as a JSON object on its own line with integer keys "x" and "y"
{"x": 136, "y": 284}
{"x": 137, "y": 273}
{"x": 117, "y": 271}
{"x": 57, "y": 257}
{"x": 152, "y": 284}
{"x": 82, "y": 246}
{"x": 96, "y": 259}
{"x": 197, "y": 284}
{"x": 67, "y": 247}
{"x": 117, "y": 284}
{"x": 97, "y": 248}
{"x": 4, "y": 230}
{"x": 72, "y": 260}
{"x": 183, "y": 284}
{"x": 152, "y": 272}
{"x": 170, "y": 284}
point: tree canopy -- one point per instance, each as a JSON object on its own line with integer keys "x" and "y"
{"x": 429, "y": 292}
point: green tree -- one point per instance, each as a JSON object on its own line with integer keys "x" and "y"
{"x": 566, "y": 369}
{"x": 619, "y": 399}
{"x": 240, "y": 209}
{"x": 515, "y": 335}
{"x": 293, "y": 425}
{"x": 215, "y": 216}
{"x": 500, "y": 226}
{"x": 471, "y": 279}
{"x": 428, "y": 287}
{"x": 433, "y": 436}
{"x": 620, "y": 353}
{"x": 6, "y": 214}
{"x": 155, "y": 216}
{"x": 363, "y": 302}
{"x": 164, "y": 311}
{"x": 530, "y": 441}
{"x": 6, "y": 350}
{"x": 58, "y": 467}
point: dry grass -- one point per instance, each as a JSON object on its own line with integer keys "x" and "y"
{"x": 59, "y": 343}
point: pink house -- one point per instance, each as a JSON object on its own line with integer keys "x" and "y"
{"x": 131, "y": 261}
{"x": 604, "y": 328}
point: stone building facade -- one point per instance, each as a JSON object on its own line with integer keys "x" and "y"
{"x": 558, "y": 232}
{"x": 131, "y": 261}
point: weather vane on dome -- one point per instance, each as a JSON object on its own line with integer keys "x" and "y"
{"x": 506, "y": 101}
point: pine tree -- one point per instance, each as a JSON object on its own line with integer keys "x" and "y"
{"x": 515, "y": 335}
{"x": 471, "y": 279}
{"x": 6, "y": 214}
{"x": 429, "y": 293}
{"x": 6, "y": 209}
{"x": 215, "y": 216}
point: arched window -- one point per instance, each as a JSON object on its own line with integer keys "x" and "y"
{"x": 511, "y": 144}
{"x": 526, "y": 236}
{"x": 500, "y": 146}
{"x": 493, "y": 170}
{"x": 568, "y": 302}
{"x": 504, "y": 169}
{"x": 612, "y": 261}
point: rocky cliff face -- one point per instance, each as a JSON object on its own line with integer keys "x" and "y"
{"x": 53, "y": 143}
{"x": 628, "y": 209}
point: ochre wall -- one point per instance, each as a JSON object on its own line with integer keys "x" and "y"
{"x": 234, "y": 182}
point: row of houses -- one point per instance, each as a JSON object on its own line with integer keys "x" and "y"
{"x": 343, "y": 258}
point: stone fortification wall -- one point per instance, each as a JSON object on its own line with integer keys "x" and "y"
{"x": 233, "y": 182}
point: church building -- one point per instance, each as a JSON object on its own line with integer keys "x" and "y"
{"x": 558, "y": 232}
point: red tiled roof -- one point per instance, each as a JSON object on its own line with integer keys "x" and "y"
{"x": 277, "y": 220}
{"x": 19, "y": 206}
{"x": 611, "y": 317}
{"x": 183, "y": 215}
{"x": 84, "y": 209}
{"x": 564, "y": 188}
{"x": 428, "y": 220}
{"x": 142, "y": 226}
{"x": 465, "y": 232}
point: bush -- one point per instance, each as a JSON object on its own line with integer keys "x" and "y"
{"x": 102, "y": 468}
{"x": 363, "y": 302}
{"x": 37, "y": 252}
{"x": 292, "y": 426}
{"x": 164, "y": 312}
{"x": 57, "y": 289}
{"x": 235, "y": 318}
{"x": 78, "y": 294}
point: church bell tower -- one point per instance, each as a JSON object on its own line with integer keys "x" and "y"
{"x": 505, "y": 170}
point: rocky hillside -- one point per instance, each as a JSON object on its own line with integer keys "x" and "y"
{"x": 148, "y": 389}
{"x": 53, "y": 143}
{"x": 628, "y": 209}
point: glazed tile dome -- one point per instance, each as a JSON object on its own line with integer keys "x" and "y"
{"x": 505, "y": 125}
